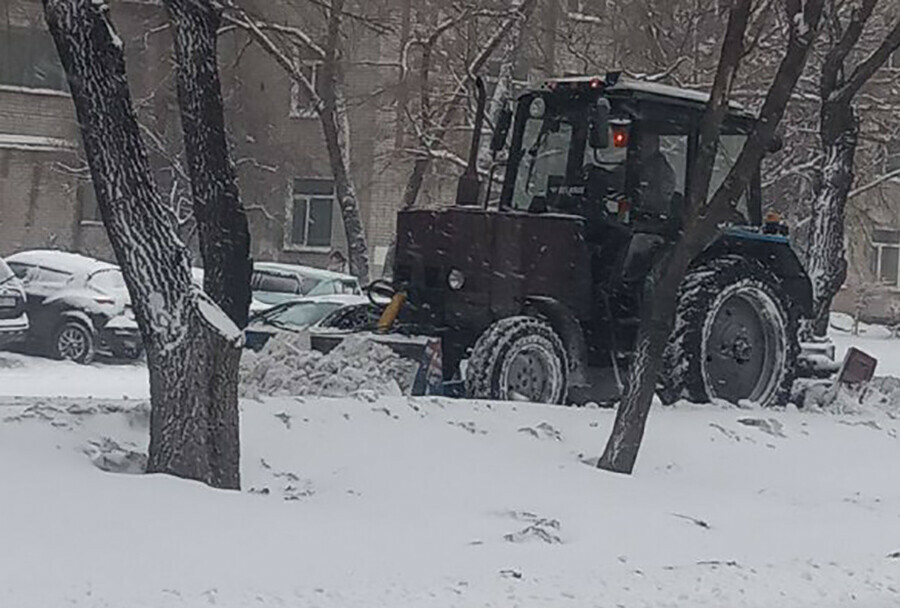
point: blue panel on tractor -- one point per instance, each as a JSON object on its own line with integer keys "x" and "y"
{"x": 746, "y": 233}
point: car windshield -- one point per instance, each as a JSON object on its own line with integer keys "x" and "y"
{"x": 107, "y": 280}
{"x": 299, "y": 314}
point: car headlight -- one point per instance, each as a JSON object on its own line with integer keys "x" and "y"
{"x": 456, "y": 279}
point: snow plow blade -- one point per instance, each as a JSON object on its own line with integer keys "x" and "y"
{"x": 424, "y": 350}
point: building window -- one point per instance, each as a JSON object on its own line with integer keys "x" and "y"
{"x": 303, "y": 105}
{"x": 310, "y": 214}
{"x": 89, "y": 210}
{"x": 886, "y": 256}
{"x": 28, "y": 59}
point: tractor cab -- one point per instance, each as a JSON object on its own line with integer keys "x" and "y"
{"x": 615, "y": 150}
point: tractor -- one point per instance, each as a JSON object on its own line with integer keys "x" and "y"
{"x": 533, "y": 280}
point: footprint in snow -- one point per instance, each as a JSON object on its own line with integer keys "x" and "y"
{"x": 544, "y": 430}
{"x": 543, "y": 529}
{"x": 771, "y": 426}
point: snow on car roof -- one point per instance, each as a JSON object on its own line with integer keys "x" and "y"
{"x": 306, "y": 271}
{"x": 65, "y": 261}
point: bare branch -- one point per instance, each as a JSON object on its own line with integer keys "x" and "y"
{"x": 865, "y": 70}
{"x": 889, "y": 176}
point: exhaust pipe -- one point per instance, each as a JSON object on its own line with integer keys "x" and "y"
{"x": 468, "y": 189}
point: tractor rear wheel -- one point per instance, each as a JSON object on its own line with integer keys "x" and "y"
{"x": 735, "y": 336}
{"x": 518, "y": 359}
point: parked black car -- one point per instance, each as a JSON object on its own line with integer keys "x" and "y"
{"x": 77, "y": 306}
{"x": 13, "y": 318}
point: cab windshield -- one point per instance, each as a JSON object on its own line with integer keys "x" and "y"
{"x": 554, "y": 166}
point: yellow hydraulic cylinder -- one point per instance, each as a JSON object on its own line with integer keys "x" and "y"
{"x": 391, "y": 311}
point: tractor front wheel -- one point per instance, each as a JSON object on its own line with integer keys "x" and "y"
{"x": 735, "y": 336}
{"x": 518, "y": 359}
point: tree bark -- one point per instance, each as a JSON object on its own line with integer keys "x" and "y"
{"x": 827, "y": 263}
{"x": 222, "y": 224}
{"x": 839, "y": 133}
{"x": 336, "y": 128}
{"x": 143, "y": 237}
{"x": 700, "y": 219}
{"x": 503, "y": 90}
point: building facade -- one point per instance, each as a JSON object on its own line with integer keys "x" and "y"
{"x": 46, "y": 197}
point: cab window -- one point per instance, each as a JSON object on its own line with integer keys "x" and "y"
{"x": 659, "y": 178}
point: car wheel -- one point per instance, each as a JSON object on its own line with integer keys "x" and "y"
{"x": 74, "y": 342}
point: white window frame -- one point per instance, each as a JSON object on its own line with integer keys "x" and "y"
{"x": 289, "y": 244}
{"x": 879, "y": 247}
{"x": 297, "y": 110}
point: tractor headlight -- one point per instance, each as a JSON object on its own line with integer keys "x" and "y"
{"x": 456, "y": 279}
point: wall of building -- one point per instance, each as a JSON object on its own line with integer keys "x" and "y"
{"x": 271, "y": 147}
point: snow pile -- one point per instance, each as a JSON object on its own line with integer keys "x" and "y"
{"x": 881, "y": 394}
{"x": 357, "y": 367}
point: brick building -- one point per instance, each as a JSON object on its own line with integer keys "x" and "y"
{"x": 46, "y": 198}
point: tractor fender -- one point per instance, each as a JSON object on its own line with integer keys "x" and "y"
{"x": 566, "y": 324}
{"x": 775, "y": 252}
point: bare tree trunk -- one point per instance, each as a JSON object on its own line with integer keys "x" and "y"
{"x": 332, "y": 108}
{"x": 827, "y": 263}
{"x": 403, "y": 83}
{"x": 657, "y": 318}
{"x": 503, "y": 90}
{"x": 839, "y": 132}
{"x": 174, "y": 328}
{"x": 336, "y": 127}
{"x": 221, "y": 221}
{"x": 700, "y": 220}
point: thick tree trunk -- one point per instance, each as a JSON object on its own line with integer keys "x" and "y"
{"x": 336, "y": 127}
{"x": 143, "y": 236}
{"x": 222, "y": 224}
{"x": 827, "y": 263}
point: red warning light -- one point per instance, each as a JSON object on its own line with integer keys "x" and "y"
{"x": 620, "y": 138}
{"x": 596, "y": 83}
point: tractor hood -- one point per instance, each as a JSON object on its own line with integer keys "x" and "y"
{"x": 464, "y": 267}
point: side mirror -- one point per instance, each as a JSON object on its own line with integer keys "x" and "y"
{"x": 599, "y": 125}
{"x": 775, "y": 144}
{"x": 501, "y": 129}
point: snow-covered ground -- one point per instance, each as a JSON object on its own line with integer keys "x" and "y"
{"x": 406, "y": 502}
{"x": 876, "y": 340}
{"x": 27, "y": 376}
